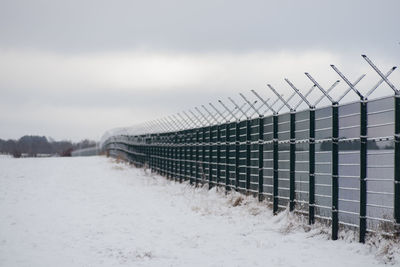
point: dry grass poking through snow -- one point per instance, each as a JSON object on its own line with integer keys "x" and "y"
{"x": 216, "y": 201}
{"x": 96, "y": 211}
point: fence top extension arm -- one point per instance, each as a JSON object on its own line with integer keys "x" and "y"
{"x": 380, "y": 82}
{"x": 178, "y": 125}
{"x": 202, "y": 115}
{"x": 227, "y": 109}
{"x": 352, "y": 86}
{"x": 396, "y": 91}
{"x": 239, "y": 108}
{"x": 347, "y": 81}
{"x": 198, "y": 124}
{"x": 264, "y": 102}
{"x": 183, "y": 123}
{"x": 303, "y": 97}
{"x": 197, "y": 118}
{"x": 211, "y": 115}
{"x": 154, "y": 127}
{"x": 251, "y": 105}
{"x": 285, "y": 102}
{"x": 186, "y": 121}
{"x": 326, "y": 93}
{"x": 349, "y": 89}
{"x": 148, "y": 128}
{"x": 166, "y": 124}
{"x": 145, "y": 128}
{"x": 219, "y": 112}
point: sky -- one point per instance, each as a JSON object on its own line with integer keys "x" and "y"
{"x": 74, "y": 69}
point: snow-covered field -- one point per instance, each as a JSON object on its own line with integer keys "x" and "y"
{"x": 96, "y": 212}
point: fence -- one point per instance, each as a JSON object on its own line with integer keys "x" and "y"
{"x": 339, "y": 164}
{"x": 84, "y": 152}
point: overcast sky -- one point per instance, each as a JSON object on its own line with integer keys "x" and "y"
{"x": 74, "y": 69}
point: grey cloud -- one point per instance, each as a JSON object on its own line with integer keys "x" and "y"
{"x": 66, "y": 66}
{"x": 82, "y": 26}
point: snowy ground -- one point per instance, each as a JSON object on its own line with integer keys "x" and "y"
{"x": 95, "y": 212}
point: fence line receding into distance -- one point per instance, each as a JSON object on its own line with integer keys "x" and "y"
{"x": 339, "y": 164}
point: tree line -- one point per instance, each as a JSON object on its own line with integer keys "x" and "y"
{"x": 33, "y": 146}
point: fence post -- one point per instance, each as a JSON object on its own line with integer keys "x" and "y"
{"x": 237, "y": 150}
{"x": 311, "y": 168}
{"x": 175, "y": 156}
{"x": 137, "y": 156}
{"x": 311, "y": 149}
{"x": 169, "y": 156}
{"x": 197, "y": 156}
{"x": 157, "y": 152}
{"x": 275, "y": 150}
{"x": 171, "y": 151}
{"x": 180, "y": 157}
{"x": 248, "y": 154}
{"x": 203, "y": 159}
{"x": 151, "y": 153}
{"x": 162, "y": 161}
{"x": 191, "y": 158}
{"x": 292, "y": 157}
{"x": 179, "y": 153}
{"x": 396, "y": 140}
{"x": 227, "y": 144}
{"x": 162, "y": 158}
{"x": 275, "y": 164}
{"x": 178, "y": 160}
{"x": 218, "y": 154}
{"x": 165, "y": 155}
{"x": 149, "y": 156}
{"x": 363, "y": 169}
{"x": 149, "y": 149}
{"x": 159, "y": 155}
{"x": 363, "y": 154}
{"x": 396, "y": 160}
{"x": 147, "y": 146}
{"x": 260, "y": 157}
{"x": 144, "y": 154}
{"x": 335, "y": 154}
{"x": 154, "y": 153}
{"x": 335, "y": 170}
{"x": 184, "y": 154}
{"x": 162, "y": 155}
{"x": 185, "y": 163}
{"x": 210, "y": 149}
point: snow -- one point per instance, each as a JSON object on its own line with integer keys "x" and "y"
{"x": 96, "y": 212}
